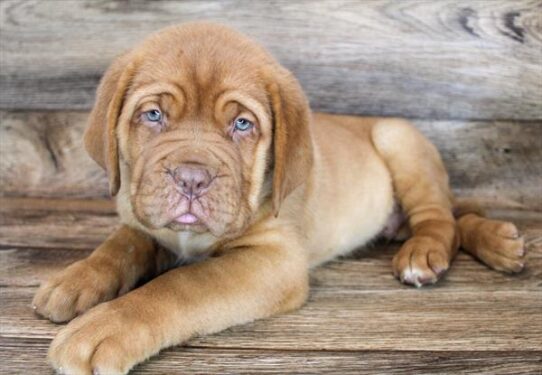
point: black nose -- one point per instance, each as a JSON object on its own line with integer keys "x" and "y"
{"x": 192, "y": 179}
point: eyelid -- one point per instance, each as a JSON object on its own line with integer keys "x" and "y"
{"x": 246, "y": 115}
{"x": 150, "y": 107}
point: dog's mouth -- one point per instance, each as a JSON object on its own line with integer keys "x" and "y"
{"x": 188, "y": 222}
{"x": 187, "y": 219}
{"x": 189, "y": 216}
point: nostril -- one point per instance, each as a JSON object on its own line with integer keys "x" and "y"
{"x": 192, "y": 180}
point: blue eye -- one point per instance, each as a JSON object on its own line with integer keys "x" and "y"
{"x": 242, "y": 124}
{"x": 153, "y": 115}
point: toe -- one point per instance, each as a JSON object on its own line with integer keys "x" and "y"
{"x": 507, "y": 265}
{"x": 502, "y": 262}
{"x": 39, "y": 303}
{"x": 60, "y": 307}
{"x": 71, "y": 351}
{"x": 506, "y": 229}
{"x": 106, "y": 359}
{"x": 401, "y": 261}
{"x": 509, "y": 248}
{"x": 438, "y": 262}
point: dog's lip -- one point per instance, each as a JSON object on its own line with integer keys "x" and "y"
{"x": 187, "y": 218}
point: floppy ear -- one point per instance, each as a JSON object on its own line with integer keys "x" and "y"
{"x": 100, "y": 136}
{"x": 292, "y": 142}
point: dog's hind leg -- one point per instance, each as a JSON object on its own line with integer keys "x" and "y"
{"x": 421, "y": 187}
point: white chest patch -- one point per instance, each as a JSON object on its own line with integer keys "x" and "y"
{"x": 189, "y": 246}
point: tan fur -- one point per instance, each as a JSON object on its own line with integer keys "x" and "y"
{"x": 295, "y": 191}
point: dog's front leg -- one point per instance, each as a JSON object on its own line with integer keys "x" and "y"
{"x": 238, "y": 286}
{"x": 421, "y": 186}
{"x": 112, "y": 269}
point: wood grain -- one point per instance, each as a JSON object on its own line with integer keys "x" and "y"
{"x": 497, "y": 312}
{"x": 358, "y": 319}
{"x": 438, "y": 318}
{"x": 38, "y": 238}
{"x": 28, "y": 356}
{"x": 41, "y": 155}
{"x": 55, "y": 229}
{"x": 364, "y": 271}
{"x": 415, "y": 58}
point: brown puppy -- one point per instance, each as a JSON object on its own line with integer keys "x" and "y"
{"x": 214, "y": 156}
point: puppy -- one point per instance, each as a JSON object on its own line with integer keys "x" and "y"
{"x": 218, "y": 164}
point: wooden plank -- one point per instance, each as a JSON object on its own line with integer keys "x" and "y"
{"x": 33, "y": 224}
{"x": 498, "y": 162}
{"x": 38, "y": 241}
{"x": 31, "y": 266}
{"x": 367, "y": 270}
{"x": 28, "y": 356}
{"x": 55, "y": 229}
{"x": 497, "y": 312}
{"x": 98, "y": 206}
{"x": 438, "y": 318}
{"x": 414, "y": 58}
{"x": 41, "y": 155}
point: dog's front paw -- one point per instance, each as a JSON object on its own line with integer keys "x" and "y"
{"x": 75, "y": 290}
{"x": 420, "y": 261}
{"x": 109, "y": 339}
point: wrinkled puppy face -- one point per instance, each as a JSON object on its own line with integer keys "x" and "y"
{"x": 196, "y": 133}
{"x": 189, "y": 119}
{"x": 193, "y": 163}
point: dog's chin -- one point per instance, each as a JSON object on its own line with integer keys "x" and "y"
{"x": 173, "y": 224}
{"x": 198, "y": 227}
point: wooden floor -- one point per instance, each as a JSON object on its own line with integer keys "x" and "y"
{"x": 358, "y": 319}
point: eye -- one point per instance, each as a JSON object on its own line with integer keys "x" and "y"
{"x": 242, "y": 124}
{"x": 153, "y": 115}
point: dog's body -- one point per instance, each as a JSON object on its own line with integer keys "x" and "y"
{"x": 224, "y": 168}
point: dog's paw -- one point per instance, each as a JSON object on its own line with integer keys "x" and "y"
{"x": 108, "y": 339}
{"x": 75, "y": 290}
{"x": 420, "y": 261}
{"x": 499, "y": 245}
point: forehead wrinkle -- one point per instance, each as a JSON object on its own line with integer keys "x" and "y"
{"x": 155, "y": 89}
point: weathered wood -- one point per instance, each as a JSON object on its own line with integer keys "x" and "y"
{"x": 41, "y": 155}
{"x": 358, "y": 318}
{"x": 48, "y": 228}
{"x": 364, "y": 271}
{"x": 415, "y": 58}
{"x": 28, "y": 356}
{"x": 38, "y": 240}
{"x": 497, "y": 312}
{"x": 438, "y": 318}
{"x": 33, "y": 224}
{"x": 499, "y": 162}
{"x": 98, "y": 206}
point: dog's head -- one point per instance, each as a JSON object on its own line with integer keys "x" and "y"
{"x": 200, "y": 127}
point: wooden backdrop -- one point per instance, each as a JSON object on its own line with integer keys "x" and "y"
{"x": 469, "y": 73}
